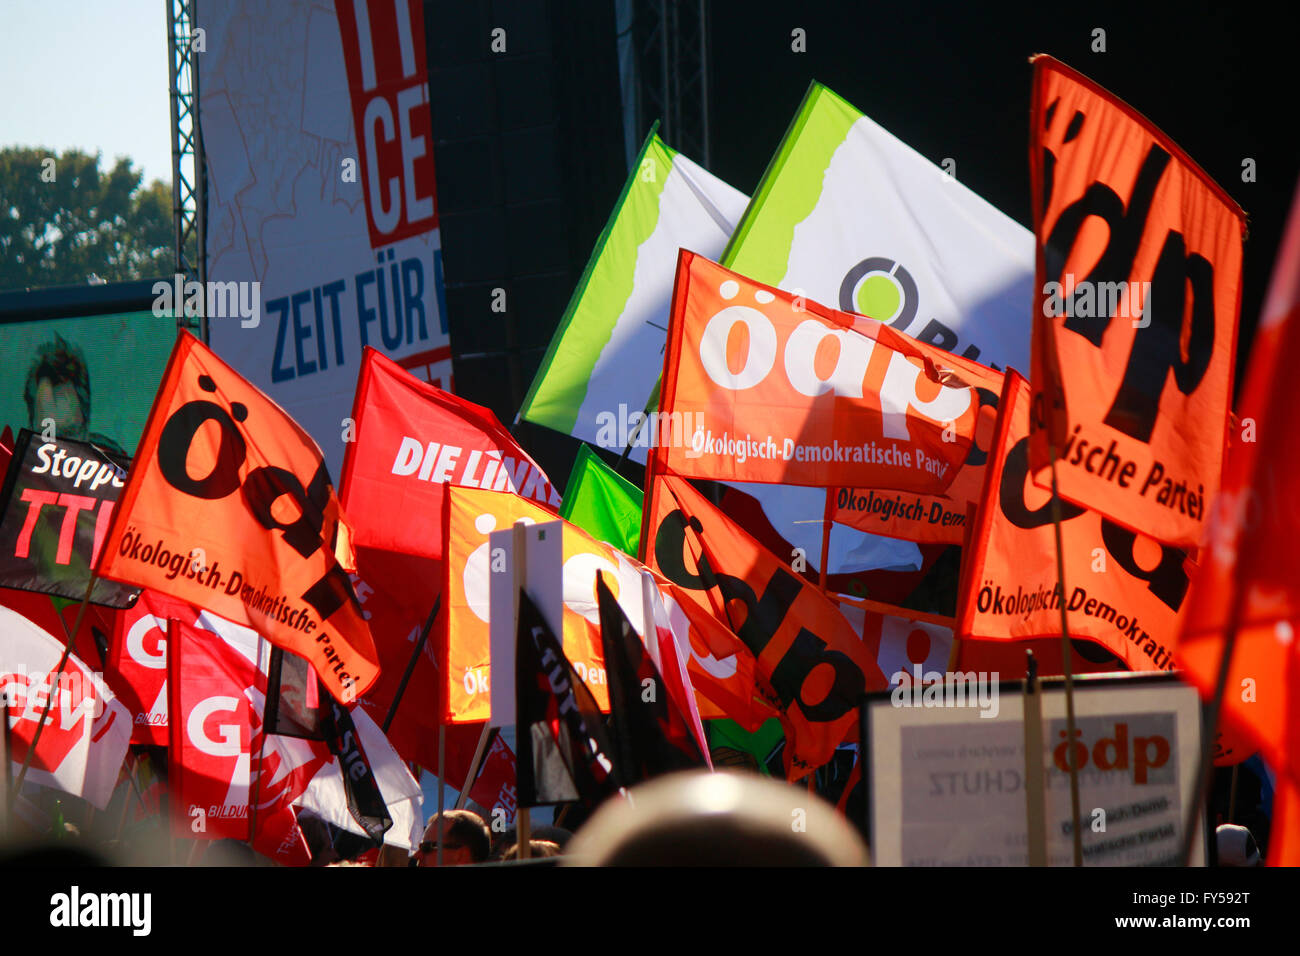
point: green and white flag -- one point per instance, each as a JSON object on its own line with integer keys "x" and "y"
{"x": 854, "y": 218}
{"x": 604, "y": 361}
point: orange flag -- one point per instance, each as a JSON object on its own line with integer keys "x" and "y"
{"x": 931, "y": 519}
{"x": 1139, "y": 286}
{"x": 1125, "y": 590}
{"x": 720, "y": 668}
{"x": 767, "y": 386}
{"x": 817, "y": 666}
{"x": 1249, "y": 580}
{"x": 229, "y": 506}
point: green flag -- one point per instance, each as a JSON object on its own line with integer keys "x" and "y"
{"x": 606, "y": 355}
{"x": 603, "y": 503}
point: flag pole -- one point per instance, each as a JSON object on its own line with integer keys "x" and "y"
{"x": 826, "y": 542}
{"x": 519, "y": 570}
{"x": 54, "y": 683}
{"x": 484, "y": 740}
{"x": 1205, "y": 762}
{"x": 1035, "y": 799}
{"x": 1067, "y": 668}
{"x": 410, "y": 665}
{"x": 442, "y": 770}
{"x": 6, "y": 749}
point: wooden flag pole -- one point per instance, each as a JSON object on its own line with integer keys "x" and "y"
{"x": 54, "y": 684}
{"x": 484, "y": 741}
{"x": 826, "y": 541}
{"x": 1035, "y": 798}
{"x": 6, "y": 749}
{"x": 410, "y": 665}
{"x": 519, "y": 580}
{"x": 1205, "y": 764}
{"x": 1068, "y": 670}
{"x": 442, "y": 772}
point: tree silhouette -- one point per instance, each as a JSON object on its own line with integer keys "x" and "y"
{"x": 63, "y": 221}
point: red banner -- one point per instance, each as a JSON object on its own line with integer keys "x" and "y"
{"x": 1125, "y": 590}
{"x": 229, "y": 506}
{"x": 814, "y": 667}
{"x": 763, "y": 385}
{"x": 413, "y": 440}
{"x": 1139, "y": 285}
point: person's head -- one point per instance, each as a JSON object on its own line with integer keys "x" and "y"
{"x": 716, "y": 819}
{"x": 537, "y": 849}
{"x": 463, "y": 836}
{"x": 58, "y": 388}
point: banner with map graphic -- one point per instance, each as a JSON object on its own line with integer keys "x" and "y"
{"x": 321, "y": 199}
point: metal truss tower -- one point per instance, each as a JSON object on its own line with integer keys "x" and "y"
{"x": 189, "y": 182}
{"x": 673, "y": 55}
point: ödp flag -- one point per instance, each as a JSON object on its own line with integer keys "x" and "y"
{"x": 412, "y": 441}
{"x": 229, "y": 506}
{"x": 767, "y": 386}
{"x": 858, "y": 219}
{"x": 602, "y": 502}
{"x": 604, "y": 352}
{"x": 1125, "y": 590}
{"x": 1248, "y": 575}
{"x": 1135, "y": 323}
{"x": 87, "y": 729}
{"x": 931, "y": 519}
{"x": 813, "y": 663}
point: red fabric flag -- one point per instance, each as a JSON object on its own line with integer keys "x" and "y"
{"x": 764, "y": 385}
{"x": 1248, "y": 578}
{"x": 413, "y": 440}
{"x": 810, "y": 663}
{"x": 1138, "y": 289}
{"x": 229, "y": 506}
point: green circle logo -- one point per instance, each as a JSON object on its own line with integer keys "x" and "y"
{"x": 878, "y": 297}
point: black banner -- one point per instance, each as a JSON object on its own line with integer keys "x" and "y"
{"x": 58, "y": 502}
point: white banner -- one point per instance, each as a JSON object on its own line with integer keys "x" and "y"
{"x": 321, "y": 200}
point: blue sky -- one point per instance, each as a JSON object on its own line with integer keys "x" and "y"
{"x": 90, "y": 74}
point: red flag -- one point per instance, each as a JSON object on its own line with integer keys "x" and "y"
{"x": 814, "y": 667}
{"x": 137, "y": 662}
{"x": 412, "y": 441}
{"x": 747, "y": 396}
{"x": 229, "y": 506}
{"x": 1125, "y": 590}
{"x": 494, "y": 790}
{"x": 1139, "y": 285}
{"x": 86, "y": 730}
{"x": 1248, "y": 578}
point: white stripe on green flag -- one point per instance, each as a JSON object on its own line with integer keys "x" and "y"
{"x": 854, "y": 218}
{"x": 608, "y": 348}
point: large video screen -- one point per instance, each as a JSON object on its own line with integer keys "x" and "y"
{"x": 94, "y": 377}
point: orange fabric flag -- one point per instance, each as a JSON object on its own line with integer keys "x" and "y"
{"x": 815, "y": 663}
{"x": 931, "y": 519}
{"x": 767, "y": 386}
{"x": 1138, "y": 290}
{"x": 720, "y": 668}
{"x": 1125, "y": 590}
{"x": 229, "y": 506}
{"x": 1248, "y": 581}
